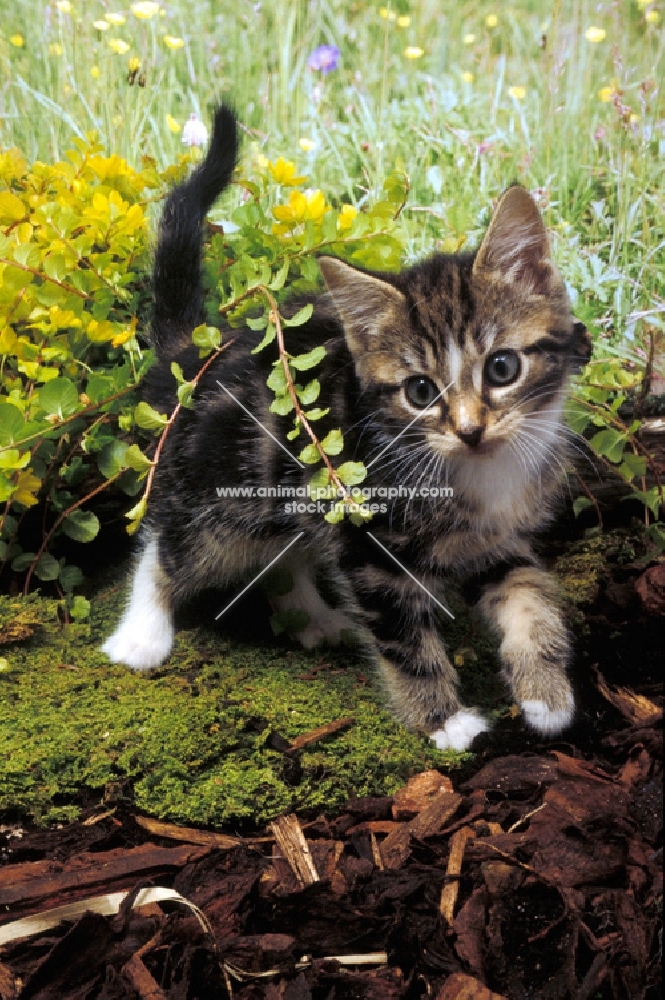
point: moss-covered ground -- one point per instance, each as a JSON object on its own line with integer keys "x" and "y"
{"x": 205, "y": 738}
{"x": 200, "y": 740}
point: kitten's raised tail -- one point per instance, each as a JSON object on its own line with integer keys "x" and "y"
{"x": 177, "y": 288}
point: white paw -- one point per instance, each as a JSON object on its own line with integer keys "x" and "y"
{"x": 140, "y": 646}
{"x": 324, "y": 629}
{"x": 546, "y": 721}
{"x": 459, "y": 730}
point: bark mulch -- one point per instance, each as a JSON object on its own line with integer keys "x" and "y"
{"x": 539, "y": 877}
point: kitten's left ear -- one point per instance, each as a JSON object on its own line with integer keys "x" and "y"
{"x": 516, "y": 248}
{"x": 366, "y": 304}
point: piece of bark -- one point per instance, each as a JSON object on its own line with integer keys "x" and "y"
{"x": 514, "y": 775}
{"x": 321, "y": 733}
{"x": 141, "y": 980}
{"x": 650, "y": 587}
{"x": 188, "y": 834}
{"x": 396, "y": 848}
{"x": 32, "y": 882}
{"x": 8, "y": 985}
{"x": 291, "y": 842}
{"x": 374, "y": 826}
{"x": 450, "y": 891}
{"x": 461, "y": 987}
{"x": 418, "y": 792}
{"x": 639, "y": 710}
{"x": 469, "y": 927}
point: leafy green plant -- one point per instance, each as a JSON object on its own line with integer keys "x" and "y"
{"x": 73, "y": 257}
{"x": 270, "y": 254}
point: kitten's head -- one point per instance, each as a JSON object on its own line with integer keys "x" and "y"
{"x": 478, "y": 347}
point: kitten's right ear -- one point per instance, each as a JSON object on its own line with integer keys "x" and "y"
{"x": 366, "y": 304}
{"x": 516, "y": 249}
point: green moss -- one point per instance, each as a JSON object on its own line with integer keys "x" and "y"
{"x": 192, "y": 741}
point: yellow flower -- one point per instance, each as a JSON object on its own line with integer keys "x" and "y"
{"x": 594, "y": 34}
{"x": 94, "y": 72}
{"x": 634, "y": 118}
{"x": 307, "y": 145}
{"x": 145, "y": 9}
{"x": 18, "y": 41}
{"x": 404, "y": 21}
{"x": 64, "y": 6}
{"x": 468, "y": 77}
{"x": 283, "y": 172}
{"x": 346, "y": 217}
{"x": 26, "y": 485}
{"x": 101, "y": 25}
{"x": 413, "y": 52}
{"x": 652, "y": 17}
{"x": 118, "y": 45}
{"x": 122, "y": 338}
{"x": 134, "y": 64}
{"x": 116, "y": 19}
{"x": 302, "y": 207}
{"x": 491, "y": 20}
{"x": 387, "y": 15}
{"x": 173, "y": 42}
{"x": 173, "y": 125}
{"x": 605, "y": 94}
{"x": 117, "y": 120}
{"x": 469, "y": 38}
{"x": 55, "y": 49}
{"x": 518, "y": 93}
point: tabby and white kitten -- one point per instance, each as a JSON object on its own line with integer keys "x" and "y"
{"x": 493, "y": 329}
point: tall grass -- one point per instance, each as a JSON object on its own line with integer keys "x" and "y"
{"x": 500, "y": 93}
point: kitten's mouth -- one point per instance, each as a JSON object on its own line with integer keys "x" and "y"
{"x": 481, "y": 449}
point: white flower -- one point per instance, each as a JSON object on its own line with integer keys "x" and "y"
{"x": 194, "y": 132}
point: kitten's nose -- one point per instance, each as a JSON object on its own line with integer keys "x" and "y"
{"x": 470, "y": 436}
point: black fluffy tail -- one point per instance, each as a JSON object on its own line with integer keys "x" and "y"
{"x": 177, "y": 288}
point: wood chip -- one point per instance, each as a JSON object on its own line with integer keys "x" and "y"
{"x": 31, "y": 882}
{"x": 376, "y": 853}
{"x": 450, "y": 891}
{"x": 638, "y": 709}
{"x": 320, "y": 733}
{"x": 141, "y": 980}
{"x": 396, "y": 848}
{"x": 9, "y": 987}
{"x": 291, "y": 842}
{"x": 460, "y": 987}
{"x": 418, "y": 792}
{"x": 188, "y": 834}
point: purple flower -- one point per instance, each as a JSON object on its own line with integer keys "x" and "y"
{"x": 324, "y": 58}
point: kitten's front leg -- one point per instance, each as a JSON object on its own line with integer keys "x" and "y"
{"x": 535, "y": 646}
{"x": 144, "y": 636}
{"x": 421, "y": 681}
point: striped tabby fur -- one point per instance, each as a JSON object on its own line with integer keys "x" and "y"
{"x": 496, "y": 329}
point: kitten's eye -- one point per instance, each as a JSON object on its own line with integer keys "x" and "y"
{"x": 502, "y": 368}
{"x": 421, "y": 391}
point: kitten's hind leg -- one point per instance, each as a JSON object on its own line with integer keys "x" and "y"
{"x": 325, "y": 623}
{"x": 535, "y": 647}
{"x": 144, "y": 637}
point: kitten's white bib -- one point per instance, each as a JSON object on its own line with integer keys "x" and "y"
{"x": 548, "y": 722}
{"x": 460, "y": 730}
{"x": 144, "y": 636}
